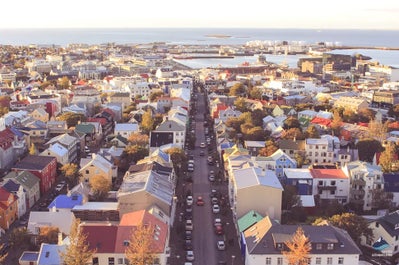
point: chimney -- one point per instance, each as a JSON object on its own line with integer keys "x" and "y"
{"x": 60, "y": 239}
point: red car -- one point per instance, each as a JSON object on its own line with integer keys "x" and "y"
{"x": 200, "y": 201}
{"x": 219, "y": 229}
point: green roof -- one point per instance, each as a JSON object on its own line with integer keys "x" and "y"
{"x": 85, "y": 128}
{"x": 248, "y": 220}
{"x": 25, "y": 178}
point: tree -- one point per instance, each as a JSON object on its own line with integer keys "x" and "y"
{"x": 291, "y": 122}
{"x": 178, "y": 157}
{"x": 134, "y": 153}
{"x": 78, "y": 251}
{"x": 377, "y": 130}
{"x": 382, "y": 199}
{"x": 312, "y": 132}
{"x": 300, "y": 160}
{"x": 269, "y": 149}
{"x": 100, "y": 186}
{"x": 255, "y": 93}
{"x": 237, "y": 90}
{"x": 336, "y": 123}
{"x": 147, "y": 122}
{"x": 293, "y": 133}
{"x": 139, "y": 139}
{"x": 20, "y": 238}
{"x": 155, "y": 95}
{"x": 32, "y": 149}
{"x": 71, "y": 173}
{"x": 255, "y": 134}
{"x": 367, "y": 149}
{"x": 290, "y": 197}
{"x": 387, "y": 158}
{"x": 3, "y": 257}
{"x": 140, "y": 250}
{"x": 71, "y": 118}
{"x": 240, "y": 104}
{"x": 355, "y": 225}
{"x": 48, "y": 234}
{"x": 298, "y": 249}
{"x": 257, "y": 116}
{"x": 64, "y": 83}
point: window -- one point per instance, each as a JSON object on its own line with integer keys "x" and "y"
{"x": 332, "y": 182}
{"x": 95, "y": 261}
{"x": 120, "y": 261}
{"x": 126, "y": 243}
{"x": 330, "y": 246}
{"x": 111, "y": 261}
{"x": 320, "y": 183}
{"x": 87, "y": 171}
{"x": 329, "y": 260}
{"x": 318, "y": 260}
{"x": 279, "y": 261}
{"x": 319, "y": 246}
{"x": 396, "y": 248}
{"x": 268, "y": 261}
{"x": 341, "y": 260}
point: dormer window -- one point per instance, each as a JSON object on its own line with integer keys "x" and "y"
{"x": 396, "y": 226}
{"x": 330, "y": 246}
{"x": 279, "y": 246}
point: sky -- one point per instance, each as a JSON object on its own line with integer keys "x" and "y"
{"x": 337, "y": 14}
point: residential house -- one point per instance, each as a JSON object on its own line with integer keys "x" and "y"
{"x": 274, "y": 125}
{"x": 65, "y": 202}
{"x": 248, "y": 220}
{"x": 17, "y": 189}
{"x": 365, "y": 178}
{"x": 351, "y": 103}
{"x": 254, "y": 146}
{"x": 122, "y": 98}
{"x": 293, "y": 147}
{"x": 63, "y": 220}
{"x": 319, "y": 151}
{"x": 300, "y": 178}
{"x": 255, "y": 189}
{"x": 331, "y": 184}
{"x": 37, "y": 131}
{"x": 111, "y": 240}
{"x": 50, "y": 254}
{"x": 44, "y": 167}
{"x": 228, "y": 113}
{"x": 168, "y": 132}
{"x": 12, "y": 146}
{"x": 265, "y": 242}
{"x": 97, "y": 211}
{"x": 276, "y": 162}
{"x": 391, "y": 185}
{"x": 89, "y": 130}
{"x": 98, "y": 129}
{"x": 385, "y": 238}
{"x": 56, "y": 128}
{"x": 97, "y": 165}
{"x": 146, "y": 188}
{"x": 40, "y": 114}
{"x": 8, "y": 208}
{"x": 59, "y": 152}
{"x": 107, "y": 126}
{"x": 30, "y": 184}
{"x": 28, "y": 258}
{"x": 126, "y": 129}
{"x": 118, "y": 141}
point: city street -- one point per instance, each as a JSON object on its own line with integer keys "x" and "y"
{"x": 204, "y": 237}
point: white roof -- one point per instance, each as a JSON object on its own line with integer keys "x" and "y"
{"x": 316, "y": 141}
{"x": 58, "y": 149}
{"x": 119, "y": 127}
{"x": 97, "y": 161}
{"x": 307, "y": 200}
{"x": 63, "y": 220}
{"x": 93, "y": 206}
{"x": 254, "y": 176}
{"x": 65, "y": 139}
{"x": 297, "y": 173}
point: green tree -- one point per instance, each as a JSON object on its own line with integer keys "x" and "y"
{"x": 100, "y": 186}
{"x": 64, "y": 83}
{"x": 290, "y": 197}
{"x": 257, "y": 116}
{"x": 78, "y": 251}
{"x": 147, "y": 122}
{"x": 237, "y": 89}
{"x": 140, "y": 250}
{"x": 134, "y": 153}
{"x": 20, "y": 238}
{"x": 294, "y": 133}
{"x": 255, "y": 93}
{"x": 299, "y": 248}
{"x": 255, "y": 134}
{"x": 382, "y": 199}
{"x": 240, "y": 104}
{"x": 291, "y": 122}
{"x": 72, "y": 118}
{"x": 178, "y": 157}
{"x": 300, "y": 160}
{"x": 71, "y": 173}
{"x": 312, "y": 132}
{"x": 355, "y": 225}
{"x": 367, "y": 149}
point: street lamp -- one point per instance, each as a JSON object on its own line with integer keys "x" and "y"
{"x": 232, "y": 259}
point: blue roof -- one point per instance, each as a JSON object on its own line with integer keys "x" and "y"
{"x": 29, "y": 256}
{"x": 11, "y": 186}
{"x": 226, "y": 145}
{"x": 391, "y": 182}
{"x": 66, "y": 202}
{"x": 380, "y": 244}
{"x": 17, "y": 132}
{"x": 50, "y": 254}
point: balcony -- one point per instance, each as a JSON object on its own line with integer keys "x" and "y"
{"x": 358, "y": 193}
{"x": 358, "y": 182}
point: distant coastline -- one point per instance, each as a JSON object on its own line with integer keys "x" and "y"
{"x": 219, "y": 36}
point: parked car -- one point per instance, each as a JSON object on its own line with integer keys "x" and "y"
{"x": 189, "y": 224}
{"x": 189, "y": 200}
{"x": 188, "y": 245}
{"x": 211, "y": 178}
{"x": 215, "y": 208}
{"x": 190, "y": 255}
{"x": 219, "y": 229}
{"x": 214, "y": 200}
{"x": 217, "y": 221}
{"x": 220, "y": 244}
{"x": 202, "y": 153}
{"x": 202, "y": 145}
{"x": 188, "y": 235}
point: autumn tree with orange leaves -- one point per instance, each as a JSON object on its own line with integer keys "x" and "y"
{"x": 298, "y": 249}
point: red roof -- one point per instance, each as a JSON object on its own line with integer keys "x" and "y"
{"x": 328, "y": 174}
{"x": 102, "y": 121}
{"x": 4, "y": 195}
{"x": 321, "y": 121}
{"x": 219, "y": 107}
{"x": 100, "y": 236}
{"x": 6, "y": 139}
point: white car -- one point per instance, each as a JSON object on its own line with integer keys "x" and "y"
{"x": 189, "y": 200}
{"x": 202, "y": 145}
{"x": 218, "y": 221}
{"x": 215, "y": 208}
{"x": 220, "y": 244}
{"x": 190, "y": 255}
{"x": 189, "y": 225}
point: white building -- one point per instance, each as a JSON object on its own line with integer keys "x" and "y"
{"x": 331, "y": 184}
{"x": 319, "y": 151}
